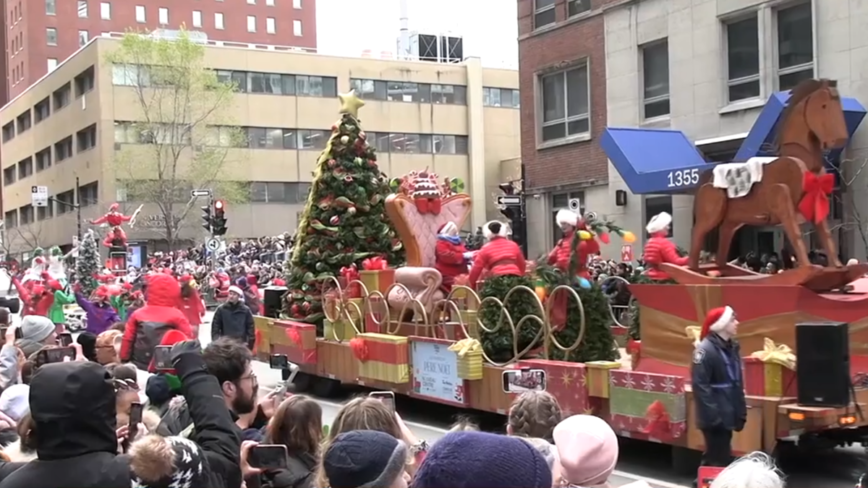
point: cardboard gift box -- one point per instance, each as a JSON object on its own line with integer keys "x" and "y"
{"x": 469, "y": 356}
{"x": 386, "y": 358}
{"x": 375, "y": 316}
{"x": 598, "y": 377}
{"x": 262, "y": 327}
{"x": 380, "y": 279}
{"x": 295, "y": 339}
{"x": 768, "y": 379}
{"x": 339, "y": 330}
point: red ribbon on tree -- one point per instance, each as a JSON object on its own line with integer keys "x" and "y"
{"x": 376, "y": 263}
{"x": 814, "y": 205}
{"x": 258, "y": 340}
{"x": 360, "y": 348}
{"x": 294, "y": 336}
{"x": 350, "y": 274}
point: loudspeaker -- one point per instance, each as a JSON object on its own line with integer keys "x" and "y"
{"x": 823, "y": 375}
{"x": 272, "y": 301}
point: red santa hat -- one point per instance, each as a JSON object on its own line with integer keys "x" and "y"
{"x": 716, "y": 320}
{"x": 448, "y": 229}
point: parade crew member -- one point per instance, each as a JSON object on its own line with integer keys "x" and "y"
{"x": 59, "y": 299}
{"x": 660, "y": 249}
{"x": 234, "y": 319}
{"x": 450, "y": 255}
{"x": 147, "y": 326}
{"x": 191, "y": 303}
{"x": 499, "y": 256}
{"x": 718, "y": 386}
{"x": 570, "y": 223}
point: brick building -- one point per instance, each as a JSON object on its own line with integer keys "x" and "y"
{"x": 40, "y": 34}
{"x": 562, "y": 66}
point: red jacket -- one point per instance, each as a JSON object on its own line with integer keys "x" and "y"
{"x": 147, "y": 326}
{"x": 193, "y": 308}
{"x": 449, "y": 261}
{"x": 38, "y": 298}
{"x": 501, "y": 257}
{"x": 560, "y": 255}
{"x": 660, "y": 250}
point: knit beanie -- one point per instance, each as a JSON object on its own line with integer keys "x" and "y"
{"x": 587, "y": 448}
{"x": 167, "y": 462}
{"x": 364, "y": 459}
{"x": 36, "y": 328}
{"x": 482, "y": 460}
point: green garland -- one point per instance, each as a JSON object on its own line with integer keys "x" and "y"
{"x": 498, "y": 344}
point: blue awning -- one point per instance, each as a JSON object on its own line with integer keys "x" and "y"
{"x": 761, "y": 137}
{"x": 653, "y": 160}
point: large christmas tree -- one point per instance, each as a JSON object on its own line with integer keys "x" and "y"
{"x": 344, "y": 220}
{"x": 87, "y": 263}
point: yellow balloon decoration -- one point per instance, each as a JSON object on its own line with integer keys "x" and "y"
{"x": 585, "y": 235}
{"x": 628, "y": 237}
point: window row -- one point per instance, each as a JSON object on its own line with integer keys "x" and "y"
{"x": 165, "y": 134}
{"x": 259, "y": 191}
{"x": 59, "y": 204}
{"x": 279, "y": 192}
{"x": 63, "y": 149}
{"x": 500, "y": 97}
{"x": 80, "y": 85}
{"x": 404, "y": 91}
{"x": 545, "y": 11}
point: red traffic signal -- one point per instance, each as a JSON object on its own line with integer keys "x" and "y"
{"x": 218, "y": 205}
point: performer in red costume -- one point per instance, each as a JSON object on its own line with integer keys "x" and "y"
{"x": 191, "y": 303}
{"x": 116, "y": 237}
{"x": 570, "y": 223}
{"x": 659, "y": 249}
{"x": 37, "y": 297}
{"x": 450, "y": 255}
{"x": 499, "y": 256}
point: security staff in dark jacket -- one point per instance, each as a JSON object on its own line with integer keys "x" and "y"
{"x": 234, "y": 319}
{"x": 718, "y": 386}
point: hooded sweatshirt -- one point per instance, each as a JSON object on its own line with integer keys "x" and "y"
{"x": 100, "y": 315}
{"x": 147, "y": 326}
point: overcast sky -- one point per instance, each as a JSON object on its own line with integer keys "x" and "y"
{"x": 489, "y": 28}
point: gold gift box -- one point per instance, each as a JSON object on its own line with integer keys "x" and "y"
{"x": 388, "y": 358}
{"x": 598, "y": 377}
{"x": 263, "y": 326}
{"x": 470, "y": 366}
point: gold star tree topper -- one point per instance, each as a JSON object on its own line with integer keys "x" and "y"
{"x": 350, "y": 103}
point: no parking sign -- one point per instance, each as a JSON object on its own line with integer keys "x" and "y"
{"x": 626, "y": 253}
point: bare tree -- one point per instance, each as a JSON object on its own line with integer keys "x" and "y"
{"x": 21, "y": 239}
{"x": 854, "y": 218}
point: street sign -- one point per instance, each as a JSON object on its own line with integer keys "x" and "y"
{"x": 39, "y": 196}
{"x": 212, "y": 244}
{"x": 200, "y": 193}
{"x": 509, "y": 200}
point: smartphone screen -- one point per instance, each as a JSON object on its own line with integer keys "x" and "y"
{"x": 18, "y": 333}
{"x": 268, "y": 456}
{"x": 387, "y": 397}
{"x": 163, "y": 358}
{"x": 278, "y": 361}
{"x": 521, "y": 380}
{"x": 3, "y": 334}
{"x": 64, "y": 339}
{"x": 59, "y": 354}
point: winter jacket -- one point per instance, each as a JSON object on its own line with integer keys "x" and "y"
{"x": 300, "y": 473}
{"x": 660, "y": 250}
{"x": 146, "y": 326}
{"x": 193, "y": 308}
{"x": 449, "y": 260}
{"x": 55, "y": 311}
{"x": 100, "y": 315}
{"x": 233, "y": 320}
{"x": 9, "y": 374}
{"x": 501, "y": 257}
{"x": 32, "y": 304}
{"x": 562, "y": 253}
{"x": 718, "y": 385}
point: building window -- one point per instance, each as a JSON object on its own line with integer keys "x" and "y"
{"x": 565, "y": 104}
{"x": 140, "y": 14}
{"x": 25, "y": 168}
{"x": 51, "y": 64}
{"x": 565, "y": 201}
{"x": 251, "y": 2}
{"x": 278, "y": 192}
{"x": 795, "y": 46}
{"x": 742, "y": 44}
{"x": 62, "y": 97}
{"x": 89, "y": 194}
{"x": 197, "y": 18}
{"x": 655, "y": 76}
{"x": 500, "y": 97}
{"x": 63, "y": 149}
{"x": 576, "y": 7}
{"x": 82, "y": 9}
{"x": 65, "y": 202}
{"x": 82, "y": 37}
{"x": 296, "y": 4}
{"x": 84, "y": 82}
{"x": 269, "y": 3}
{"x": 42, "y": 110}
{"x": 270, "y": 25}
{"x": 10, "y": 219}
{"x": 313, "y": 139}
{"x": 43, "y": 159}
{"x": 105, "y": 11}
{"x": 50, "y": 7}
{"x": 86, "y": 138}
{"x": 51, "y": 36}
{"x": 164, "y": 16}
{"x": 24, "y": 121}
{"x": 44, "y": 213}
{"x": 218, "y": 21}
{"x": 9, "y": 132}
{"x": 369, "y": 89}
{"x": 543, "y": 13}
{"x": 9, "y": 175}
{"x": 296, "y": 28}
{"x": 449, "y": 94}
{"x": 315, "y": 86}
{"x": 251, "y": 23}
{"x": 26, "y": 214}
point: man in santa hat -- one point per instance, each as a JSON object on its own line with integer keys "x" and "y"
{"x": 660, "y": 249}
{"x": 450, "y": 255}
{"x": 718, "y": 386}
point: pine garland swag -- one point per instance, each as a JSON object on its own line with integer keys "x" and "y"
{"x": 498, "y": 345}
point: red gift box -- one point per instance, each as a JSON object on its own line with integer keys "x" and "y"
{"x": 768, "y": 379}
{"x": 297, "y": 340}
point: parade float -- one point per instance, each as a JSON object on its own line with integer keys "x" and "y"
{"x": 380, "y": 318}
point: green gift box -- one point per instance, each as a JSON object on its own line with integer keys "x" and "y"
{"x": 379, "y": 280}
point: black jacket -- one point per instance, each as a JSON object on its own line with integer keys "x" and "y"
{"x": 718, "y": 384}
{"x": 300, "y": 473}
{"x": 234, "y": 320}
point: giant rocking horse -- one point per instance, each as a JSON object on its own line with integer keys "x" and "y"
{"x": 787, "y": 190}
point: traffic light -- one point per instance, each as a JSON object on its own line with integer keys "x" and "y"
{"x": 219, "y": 221}
{"x": 207, "y": 219}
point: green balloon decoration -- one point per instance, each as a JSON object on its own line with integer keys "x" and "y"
{"x": 395, "y": 184}
{"x": 456, "y": 185}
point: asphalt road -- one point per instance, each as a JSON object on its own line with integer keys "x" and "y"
{"x": 839, "y": 468}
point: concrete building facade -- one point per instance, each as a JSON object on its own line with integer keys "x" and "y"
{"x": 458, "y": 120}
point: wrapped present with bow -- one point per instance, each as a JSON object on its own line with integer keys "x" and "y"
{"x": 382, "y": 357}
{"x": 349, "y": 281}
{"x": 469, "y": 352}
{"x": 597, "y": 373}
{"x": 771, "y": 372}
{"x": 262, "y": 329}
{"x": 297, "y": 340}
{"x": 376, "y": 274}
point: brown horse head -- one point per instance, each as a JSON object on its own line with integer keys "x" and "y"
{"x": 814, "y": 117}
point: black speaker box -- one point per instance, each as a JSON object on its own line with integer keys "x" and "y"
{"x": 272, "y": 301}
{"x": 823, "y": 373}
